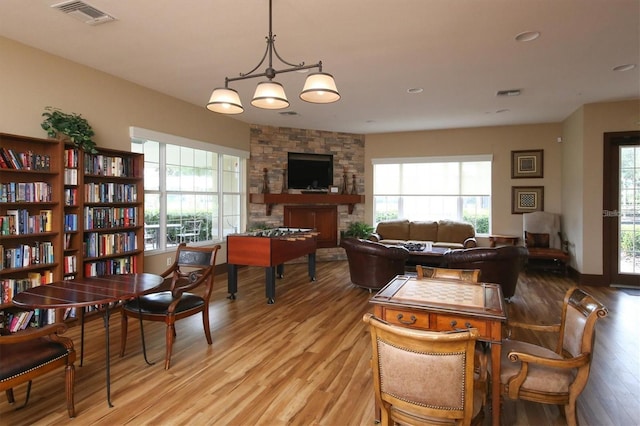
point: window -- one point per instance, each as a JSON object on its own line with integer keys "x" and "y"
{"x": 433, "y": 188}
{"x": 193, "y": 191}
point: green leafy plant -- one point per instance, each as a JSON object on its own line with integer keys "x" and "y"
{"x": 358, "y": 230}
{"x": 74, "y": 126}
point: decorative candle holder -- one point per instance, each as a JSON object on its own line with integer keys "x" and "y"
{"x": 265, "y": 183}
{"x": 345, "y": 177}
{"x": 285, "y": 189}
{"x": 354, "y": 188}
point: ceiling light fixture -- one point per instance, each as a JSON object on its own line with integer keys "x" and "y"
{"x": 625, "y": 67}
{"x": 319, "y": 87}
{"x": 528, "y": 36}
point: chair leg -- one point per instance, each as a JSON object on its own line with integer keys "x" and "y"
{"x": 26, "y": 399}
{"x": 205, "y": 323}
{"x": 570, "y": 413}
{"x": 124, "y": 323}
{"x": 171, "y": 333}
{"x": 69, "y": 389}
{"x": 10, "y": 398}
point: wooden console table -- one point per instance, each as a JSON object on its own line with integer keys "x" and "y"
{"x": 271, "y": 199}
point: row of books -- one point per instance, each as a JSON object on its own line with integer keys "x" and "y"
{"x": 104, "y": 165}
{"x": 9, "y": 287}
{"x": 120, "y": 266}
{"x": 110, "y": 192}
{"x": 97, "y": 245}
{"x": 16, "y": 321}
{"x": 71, "y": 158}
{"x": 20, "y": 222}
{"x": 70, "y": 222}
{"x": 25, "y": 255}
{"x": 71, "y": 196}
{"x": 31, "y": 192}
{"x": 70, "y": 176}
{"x": 70, "y": 264}
{"x": 109, "y": 217}
{"x": 27, "y": 160}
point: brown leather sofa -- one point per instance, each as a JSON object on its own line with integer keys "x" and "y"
{"x": 371, "y": 264}
{"x": 500, "y": 265}
{"x": 443, "y": 233}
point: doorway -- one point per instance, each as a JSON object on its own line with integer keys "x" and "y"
{"x": 621, "y": 208}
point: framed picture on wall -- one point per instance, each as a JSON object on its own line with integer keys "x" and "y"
{"x": 526, "y": 199}
{"x": 527, "y": 164}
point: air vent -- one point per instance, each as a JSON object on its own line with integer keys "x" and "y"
{"x": 84, "y": 12}
{"x": 510, "y": 92}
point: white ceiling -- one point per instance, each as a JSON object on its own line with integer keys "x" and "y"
{"x": 461, "y": 52}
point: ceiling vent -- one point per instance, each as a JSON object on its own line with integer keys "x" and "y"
{"x": 510, "y": 92}
{"x": 84, "y": 12}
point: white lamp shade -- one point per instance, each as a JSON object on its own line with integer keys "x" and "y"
{"x": 320, "y": 88}
{"x": 269, "y": 95}
{"x": 225, "y": 101}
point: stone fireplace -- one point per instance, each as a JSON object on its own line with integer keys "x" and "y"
{"x": 268, "y": 150}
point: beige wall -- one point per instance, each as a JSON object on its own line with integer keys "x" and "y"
{"x": 587, "y": 127}
{"x": 497, "y": 141}
{"x": 31, "y": 79}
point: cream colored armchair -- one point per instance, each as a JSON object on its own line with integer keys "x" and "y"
{"x": 538, "y": 374}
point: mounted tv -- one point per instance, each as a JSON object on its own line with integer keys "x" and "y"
{"x": 309, "y": 171}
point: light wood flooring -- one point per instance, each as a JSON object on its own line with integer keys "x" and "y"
{"x": 304, "y": 361}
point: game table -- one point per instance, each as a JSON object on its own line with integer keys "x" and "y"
{"x": 269, "y": 248}
{"x": 447, "y": 304}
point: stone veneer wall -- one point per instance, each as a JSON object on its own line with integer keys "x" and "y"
{"x": 269, "y": 147}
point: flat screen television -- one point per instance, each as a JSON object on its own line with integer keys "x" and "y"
{"x": 309, "y": 171}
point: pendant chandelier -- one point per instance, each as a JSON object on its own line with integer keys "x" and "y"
{"x": 319, "y": 88}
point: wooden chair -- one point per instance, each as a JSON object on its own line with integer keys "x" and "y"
{"x": 538, "y": 374}
{"x": 424, "y": 377}
{"x": 470, "y": 275}
{"x": 193, "y": 267}
{"x": 33, "y": 352}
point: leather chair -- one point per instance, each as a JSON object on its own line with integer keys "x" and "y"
{"x": 372, "y": 265}
{"x": 535, "y": 373}
{"x": 424, "y": 377}
{"x": 500, "y": 265}
{"x": 33, "y": 352}
{"x": 193, "y": 267}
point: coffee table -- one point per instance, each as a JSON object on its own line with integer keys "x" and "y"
{"x": 431, "y": 257}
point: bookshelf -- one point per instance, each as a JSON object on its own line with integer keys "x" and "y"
{"x": 30, "y": 216}
{"x": 70, "y": 213}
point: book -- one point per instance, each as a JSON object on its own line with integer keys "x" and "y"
{"x": 47, "y": 217}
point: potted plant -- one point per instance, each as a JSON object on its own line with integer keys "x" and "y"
{"x": 74, "y": 126}
{"x": 358, "y": 230}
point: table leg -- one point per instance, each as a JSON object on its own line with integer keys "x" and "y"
{"x": 496, "y": 354}
{"x": 108, "y": 361}
{"x": 232, "y": 281}
{"x": 312, "y": 266}
{"x": 81, "y": 336}
{"x": 280, "y": 271}
{"x": 270, "y": 284}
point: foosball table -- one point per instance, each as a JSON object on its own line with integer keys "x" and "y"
{"x": 270, "y": 249}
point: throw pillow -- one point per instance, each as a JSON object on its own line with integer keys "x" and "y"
{"x": 536, "y": 240}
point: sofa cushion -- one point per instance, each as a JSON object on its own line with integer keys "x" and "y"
{"x": 451, "y": 231}
{"x": 393, "y": 230}
{"x": 423, "y": 231}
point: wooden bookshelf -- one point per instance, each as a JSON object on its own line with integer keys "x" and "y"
{"x": 94, "y": 210}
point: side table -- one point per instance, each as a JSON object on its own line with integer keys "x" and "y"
{"x": 503, "y": 239}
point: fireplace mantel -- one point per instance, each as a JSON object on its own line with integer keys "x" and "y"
{"x": 271, "y": 199}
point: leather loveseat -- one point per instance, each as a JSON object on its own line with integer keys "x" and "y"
{"x": 443, "y": 233}
{"x": 371, "y": 264}
{"x": 500, "y": 265}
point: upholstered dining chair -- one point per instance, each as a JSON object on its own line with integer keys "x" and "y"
{"x": 424, "y": 377}
{"x": 470, "y": 275}
{"x": 534, "y": 373}
{"x": 33, "y": 352}
{"x": 193, "y": 268}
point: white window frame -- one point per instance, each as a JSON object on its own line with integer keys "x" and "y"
{"x": 141, "y": 134}
{"x": 425, "y": 160}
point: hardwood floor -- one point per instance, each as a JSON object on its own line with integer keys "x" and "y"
{"x": 304, "y": 361}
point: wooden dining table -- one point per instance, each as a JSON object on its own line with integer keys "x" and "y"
{"x": 89, "y": 291}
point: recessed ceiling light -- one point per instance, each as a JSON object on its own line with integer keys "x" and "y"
{"x": 625, "y": 67}
{"x": 528, "y": 36}
{"x": 415, "y": 90}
